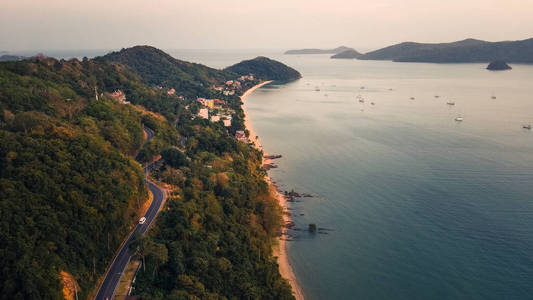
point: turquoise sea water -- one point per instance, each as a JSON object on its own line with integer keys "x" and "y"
{"x": 418, "y": 205}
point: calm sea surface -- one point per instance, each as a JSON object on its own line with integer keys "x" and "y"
{"x": 416, "y": 205}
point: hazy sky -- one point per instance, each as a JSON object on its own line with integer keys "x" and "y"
{"x": 279, "y": 24}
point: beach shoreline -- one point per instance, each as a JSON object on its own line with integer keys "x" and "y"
{"x": 281, "y": 251}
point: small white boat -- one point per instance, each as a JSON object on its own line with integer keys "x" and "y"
{"x": 317, "y": 89}
{"x": 459, "y": 119}
{"x": 450, "y": 103}
{"x": 362, "y": 100}
{"x": 372, "y": 103}
{"x": 527, "y": 126}
{"x": 412, "y": 98}
{"x": 437, "y": 96}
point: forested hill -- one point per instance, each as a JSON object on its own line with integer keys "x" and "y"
{"x": 469, "y": 50}
{"x": 71, "y": 191}
{"x": 155, "y": 67}
{"x": 266, "y": 69}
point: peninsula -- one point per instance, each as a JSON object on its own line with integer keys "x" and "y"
{"x": 469, "y": 50}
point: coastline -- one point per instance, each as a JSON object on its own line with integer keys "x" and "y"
{"x": 281, "y": 251}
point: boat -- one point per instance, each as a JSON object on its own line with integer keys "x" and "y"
{"x": 317, "y": 89}
{"x": 527, "y": 126}
{"x": 437, "y": 96}
{"x": 362, "y": 100}
{"x": 459, "y": 119}
{"x": 450, "y": 103}
{"x": 362, "y": 87}
{"x": 412, "y": 98}
{"x": 372, "y": 103}
{"x": 493, "y": 97}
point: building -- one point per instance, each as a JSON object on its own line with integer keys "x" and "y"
{"x": 241, "y": 136}
{"x": 171, "y": 91}
{"x": 203, "y": 113}
{"x": 210, "y": 103}
{"x": 226, "y": 122}
{"x": 119, "y": 96}
{"x": 215, "y": 118}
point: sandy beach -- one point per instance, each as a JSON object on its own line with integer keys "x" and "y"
{"x": 280, "y": 251}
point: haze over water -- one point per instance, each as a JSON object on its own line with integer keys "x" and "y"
{"x": 421, "y": 206}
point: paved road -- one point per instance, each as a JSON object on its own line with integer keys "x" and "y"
{"x": 112, "y": 278}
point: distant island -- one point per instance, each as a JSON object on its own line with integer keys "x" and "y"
{"x": 319, "y": 51}
{"x": 264, "y": 67}
{"x": 469, "y": 50}
{"x": 498, "y": 65}
{"x": 348, "y": 54}
{"x": 7, "y": 57}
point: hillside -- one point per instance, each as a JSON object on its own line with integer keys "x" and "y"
{"x": 266, "y": 69}
{"x": 71, "y": 189}
{"x": 318, "y": 51}
{"x": 469, "y": 50}
{"x": 348, "y": 54}
{"x": 155, "y": 67}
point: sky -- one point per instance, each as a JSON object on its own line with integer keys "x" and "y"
{"x": 251, "y": 24}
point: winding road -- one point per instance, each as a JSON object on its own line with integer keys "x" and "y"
{"x": 114, "y": 273}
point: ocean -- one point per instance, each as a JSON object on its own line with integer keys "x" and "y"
{"x": 410, "y": 203}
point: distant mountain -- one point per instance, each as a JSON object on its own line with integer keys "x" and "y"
{"x": 7, "y": 57}
{"x": 348, "y": 54}
{"x": 266, "y": 69}
{"x": 319, "y": 51}
{"x": 469, "y": 50}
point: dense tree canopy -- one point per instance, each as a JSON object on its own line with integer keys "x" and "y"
{"x": 71, "y": 189}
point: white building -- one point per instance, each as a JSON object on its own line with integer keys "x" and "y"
{"x": 203, "y": 113}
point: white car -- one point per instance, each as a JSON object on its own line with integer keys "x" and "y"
{"x": 142, "y": 220}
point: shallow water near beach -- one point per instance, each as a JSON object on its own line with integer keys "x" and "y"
{"x": 410, "y": 203}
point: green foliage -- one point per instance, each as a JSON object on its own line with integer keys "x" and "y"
{"x": 218, "y": 231}
{"x": 266, "y": 69}
{"x": 71, "y": 189}
{"x": 174, "y": 157}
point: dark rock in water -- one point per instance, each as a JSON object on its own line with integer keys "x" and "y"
{"x": 269, "y": 166}
{"x": 498, "y": 65}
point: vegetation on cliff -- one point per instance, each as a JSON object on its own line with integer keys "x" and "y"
{"x": 71, "y": 189}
